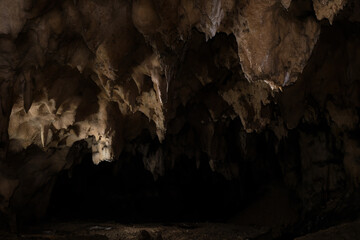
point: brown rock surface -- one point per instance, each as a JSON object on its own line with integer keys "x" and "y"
{"x": 259, "y": 89}
{"x": 344, "y": 231}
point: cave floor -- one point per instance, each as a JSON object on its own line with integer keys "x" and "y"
{"x": 116, "y": 231}
{"x": 172, "y": 231}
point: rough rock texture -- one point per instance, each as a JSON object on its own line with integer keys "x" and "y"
{"x": 256, "y": 83}
{"x": 111, "y": 231}
{"x": 328, "y": 8}
{"x": 344, "y": 231}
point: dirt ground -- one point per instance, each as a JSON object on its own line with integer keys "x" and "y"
{"x": 115, "y": 231}
{"x": 346, "y": 231}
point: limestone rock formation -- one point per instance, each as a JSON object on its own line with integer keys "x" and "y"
{"x": 233, "y": 80}
{"x": 328, "y": 9}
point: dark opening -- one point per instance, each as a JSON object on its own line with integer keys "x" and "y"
{"x": 128, "y": 193}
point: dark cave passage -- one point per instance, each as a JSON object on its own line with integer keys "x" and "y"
{"x": 177, "y": 120}
{"x": 188, "y": 191}
{"x": 129, "y": 193}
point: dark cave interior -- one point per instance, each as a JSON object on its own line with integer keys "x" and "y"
{"x": 241, "y": 123}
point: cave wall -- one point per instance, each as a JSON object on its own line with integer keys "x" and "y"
{"x": 251, "y": 85}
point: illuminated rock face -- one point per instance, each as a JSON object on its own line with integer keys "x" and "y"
{"x": 105, "y": 72}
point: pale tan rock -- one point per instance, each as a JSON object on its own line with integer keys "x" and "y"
{"x": 328, "y": 8}
{"x": 273, "y": 46}
{"x": 247, "y": 100}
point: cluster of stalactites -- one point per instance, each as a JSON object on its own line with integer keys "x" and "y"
{"x": 130, "y": 51}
